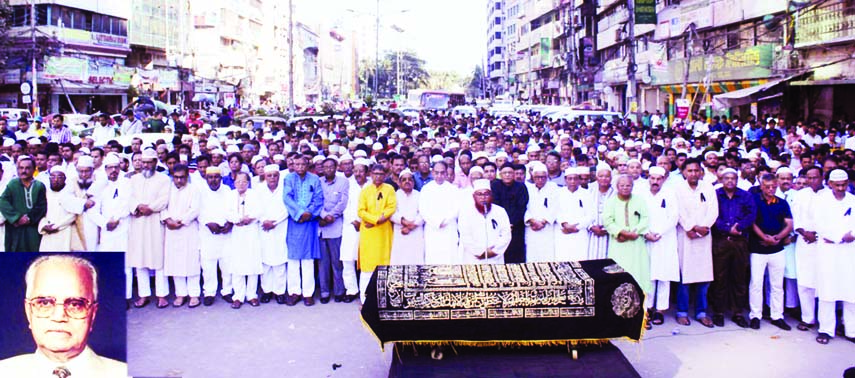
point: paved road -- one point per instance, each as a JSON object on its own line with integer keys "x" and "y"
{"x": 280, "y": 341}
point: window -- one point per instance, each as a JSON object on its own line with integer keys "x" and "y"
{"x": 20, "y": 15}
{"x": 498, "y": 35}
{"x": 498, "y": 5}
{"x": 498, "y": 21}
{"x": 498, "y": 49}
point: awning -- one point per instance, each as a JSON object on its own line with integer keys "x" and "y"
{"x": 714, "y": 88}
{"x": 748, "y": 95}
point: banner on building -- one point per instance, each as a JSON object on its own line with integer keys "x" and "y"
{"x": 682, "y": 107}
{"x": 645, "y": 12}
{"x": 748, "y": 63}
{"x": 12, "y": 76}
{"x": 545, "y": 51}
{"x": 64, "y": 67}
{"x": 123, "y": 75}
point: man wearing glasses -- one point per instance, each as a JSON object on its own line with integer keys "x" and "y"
{"x": 61, "y": 303}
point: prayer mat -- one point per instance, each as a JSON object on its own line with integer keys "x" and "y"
{"x": 577, "y": 302}
{"x": 534, "y": 361}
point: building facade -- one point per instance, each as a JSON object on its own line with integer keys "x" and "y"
{"x": 497, "y": 53}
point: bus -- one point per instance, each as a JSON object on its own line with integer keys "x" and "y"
{"x": 435, "y": 99}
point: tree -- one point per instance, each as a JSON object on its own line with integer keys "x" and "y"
{"x": 476, "y": 84}
{"x": 447, "y": 80}
{"x": 412, "y": 68}
{"x": 5, "y": 24}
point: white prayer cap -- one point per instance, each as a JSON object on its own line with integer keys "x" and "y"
{"x": 774, "y": 164}
{"x": 85, "y": 161}
{"x": 200, "y": 132}
{"x": 479, "y": 155}
{"x": 350, "y": 128}
{"x": 271, "y": 168}
{"x": 362, "y": 161}
{"x": 729, "y": 171}
{"x": 84, "y": 150}
{"x": 207, "y": 126}
{"x": 426, "y": 145}
{"x": 538, "y": 167}
{"x": 232, "y": 148}
{"x": 501, "y": 154}
{"x": 629, "y": 144}
{"x": 317, "y": 159}
{"x": 453, "y": 145}
{"x": 523, "y": 157}
{"x": 481, "y": 184}
{"x": 405, "y": 172}
{"x": 784, "y": 170}
{"x": 601, "y": 148}
{"x": 572, "y": 171}
{"x": 603, "y": 167}
{"x": 55, "y": 169}
{"x": 645, "y": 146}
{"x": 34, "y": 141}
{"x": 333, "y": 149}
{"x": 149, "y": 154}
{"x": 436, "y": 158}
{"x": 838, "y": 175}
{"x": 476, "y": 169}
{"x": 533, "y": 148}
{"x": 213, "y": 171}
{"x": 657, "y": 171}
{"x": 345, "y": 157}
{"x": 278, "y": 157}
{"x": 111, "y": 159}
{"x": 76, "y": 140}
{"x": 218, "y": 151}
{"x": 360, "y": 154}
{"x": 708, "y": 153}
{"x": 8, "y": 142}
{"x": 255, "y": 159}
{"x": 23, "y": 157}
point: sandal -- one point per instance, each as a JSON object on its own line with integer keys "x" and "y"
{"x": 162, "y": 302}
{"x": 823, "y": 338}
{"x": 178, "y": 302}
{"x": 141, "y": 302}
{"x": 804, "y": 326}
{"x": 706, "y": 322}
{"x": 658, "y": 318}
{"x": 683, "y": 320}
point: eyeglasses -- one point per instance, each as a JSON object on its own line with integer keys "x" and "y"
{"x": 76, "y": 308}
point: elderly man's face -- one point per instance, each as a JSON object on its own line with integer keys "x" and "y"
{"x": 84, "y": 174}
{"x": 55, "y": 332}
{"x": 624, "y": 186}
{"x": 408, "y": 182}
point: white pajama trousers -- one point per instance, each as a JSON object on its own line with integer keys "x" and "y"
{"x": 209, "y": 276}
{"x": 273, "y": 279}
{"x": 246, "y": 287}
{"x": 660, "y": 296}
{"x": 301, "y": 277}
{"x": 161, "y": 284}
{"x": 185, "y": 286}
{"x": 807, "y": 299}
{"x": 828, "y": 317}
{"x": 129, "y": 283}
{"x": 364, "y": 277}
{"x": 775, "y": 262}
{"x": 348, "y": 274}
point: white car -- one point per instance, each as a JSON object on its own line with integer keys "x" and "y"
{"x": 464, "y": 111}
{"x": 13, "y": 114}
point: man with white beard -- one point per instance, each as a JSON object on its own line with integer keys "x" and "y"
{"x": 836, "y": 256}
{"x": 149, "y": 195}
{"x": 58, "y": 226}
{"x": 437, "y": 207}
{"x": 213, "y": 235}
{"x": 86, "y": 188}
{"x": 350, "y": 229}
{"x": 485, "y": 231}
{"x": 112, "y": 210}
{"x": 540, "y": 215}
{"x": 181, "y": 238}
{"x": 244, "y": 244}
{"x": 274, "y": 254}
{"x": 573, "y": 218}
{"x": 661, "y": 243}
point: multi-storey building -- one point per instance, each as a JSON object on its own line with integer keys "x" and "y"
{"x": 496, "y": 68}
{"x": 80, "y": 49}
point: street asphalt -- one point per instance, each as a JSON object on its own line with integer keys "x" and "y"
{"x": 329, "y": 340}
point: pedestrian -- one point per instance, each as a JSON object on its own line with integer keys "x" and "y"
{"x": 23, "y": 205}
{"x": 661, "y": 240}
{"x": 181, "y": 238}
{"x": 408, "y": 243}
{"x": 441, "y": 237}
{"x": 274, "y": 228}
{"x": 598, "y": 236}
{"x": 243, "y": 247}
{"x": 304, "y": 199}
{"x": 336, "y": 190}
{"x": 512, "y": 196}
{"x": 625, "y": 218}
{"x": 377, "y": 204}
{"x": 540, "y": 215}
{"x": 215, "y": 229}
{"x": 573, "y": 218}
{"x": 485, "y": 230}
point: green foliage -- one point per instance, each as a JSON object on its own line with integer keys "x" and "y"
{"x": 5, "y": 24}
{"x": 369, "y": 101}
{"x": 412, "y": 70}
{"x": 475, "y": 87}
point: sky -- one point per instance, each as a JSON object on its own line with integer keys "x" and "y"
{"x": 450, "y": 35}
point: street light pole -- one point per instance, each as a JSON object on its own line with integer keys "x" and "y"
{"x": 33, "y": 38}
{"x": 291, "y": 58}
{"x": 377, "y": 52}
{"x": 632, "y": 87}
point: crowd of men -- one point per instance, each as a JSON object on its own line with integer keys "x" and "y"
{"x": 717, "y": 210}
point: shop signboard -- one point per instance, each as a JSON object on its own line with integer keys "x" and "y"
{"x": 682, "y": 105}
{"x": 87, "y": 38}
{"x": 11, "y": 76}
{"x": 123, "y": 75}
{"x": 168, "y": 79}
{"x": 748, "y": 63}
{"x": 645, "y": 12}
{"x": 100, "y": 73}
{"x": 545, "y": 50}
{"x": 64, "y": 67}
{"x": 830, "y": 22}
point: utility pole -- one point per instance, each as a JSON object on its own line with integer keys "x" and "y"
{"x": 377, "y": 52}
{"x": 632, "y": 67}
{"x": 291, "y": 58}
{"x": 571, "y": 54}
{"x": 33, "y": 38}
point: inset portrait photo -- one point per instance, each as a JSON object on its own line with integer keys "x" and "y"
{"x": 64, "y": 315}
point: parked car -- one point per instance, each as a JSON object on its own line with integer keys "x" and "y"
{"x": 13, "y": 114}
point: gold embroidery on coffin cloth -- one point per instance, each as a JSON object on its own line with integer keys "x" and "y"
{"x": 443, "y": 292}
